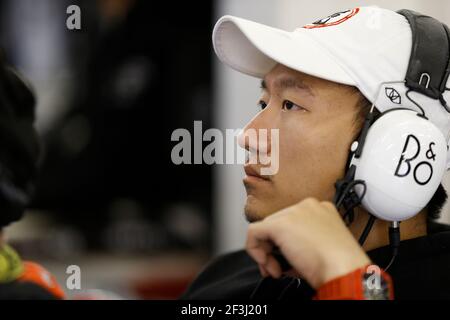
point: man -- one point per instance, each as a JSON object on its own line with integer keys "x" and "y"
{"x": 19, "y": 154}
{"x": 318, "y": 84}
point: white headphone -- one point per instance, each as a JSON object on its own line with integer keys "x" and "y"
{"x": 402, "y": 159}
{"x": 399, "y": 159}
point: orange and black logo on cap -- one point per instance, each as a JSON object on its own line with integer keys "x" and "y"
{"x": 334, "y": 19}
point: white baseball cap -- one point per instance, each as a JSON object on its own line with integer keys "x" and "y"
{"x": 365, "y": 47}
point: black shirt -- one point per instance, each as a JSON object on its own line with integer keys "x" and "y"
{"x": 420, "y": 271}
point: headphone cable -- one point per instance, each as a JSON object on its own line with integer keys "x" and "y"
{"x": 367, "y": 229}
{"x": 394, "y": 241}
{"x": 347, "y": 190}
{"x": 415, "y": 103}
{"x": 356, "y": 200}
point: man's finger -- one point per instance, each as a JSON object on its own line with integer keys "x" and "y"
{"x": 273, "y": 267}
{"x": 263, "y": 271}
{"x": 258, "y": 244}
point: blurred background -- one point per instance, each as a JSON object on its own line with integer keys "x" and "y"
{"x": 109, "y": 198}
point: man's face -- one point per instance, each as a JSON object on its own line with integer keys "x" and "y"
{"x": 316, "y": 122}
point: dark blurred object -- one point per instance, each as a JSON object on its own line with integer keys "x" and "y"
{"x": 24, "y": 291}
{"x": 143, "y": 70}
{"x": 19, "y": 142}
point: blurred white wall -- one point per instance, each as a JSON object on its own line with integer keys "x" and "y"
{"x": 41, "y": 54}
{"x": 236, "y": 94}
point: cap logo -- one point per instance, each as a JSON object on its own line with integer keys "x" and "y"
{"x": 332, "y": 20}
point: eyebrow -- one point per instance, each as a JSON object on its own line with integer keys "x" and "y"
{"x": 289, "y": 83}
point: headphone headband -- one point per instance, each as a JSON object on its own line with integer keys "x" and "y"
{"x": 429, "y": 64}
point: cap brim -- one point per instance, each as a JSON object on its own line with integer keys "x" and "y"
{"x": 254, "y": 49}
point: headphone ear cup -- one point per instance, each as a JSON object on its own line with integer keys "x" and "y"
{"x": 402, "y": 163}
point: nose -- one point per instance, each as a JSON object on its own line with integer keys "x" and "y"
{"x": 256, "y": 135}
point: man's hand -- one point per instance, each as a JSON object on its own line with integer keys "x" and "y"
{"x": 312, "y": 237}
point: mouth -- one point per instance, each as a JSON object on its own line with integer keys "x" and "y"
{"x": 252, "y": 175}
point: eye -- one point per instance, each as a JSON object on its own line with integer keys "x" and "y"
{"x": 262, "y": 105}
{"x": 289, "y": 105}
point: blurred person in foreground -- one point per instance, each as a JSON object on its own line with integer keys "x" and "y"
{"x": 319, "y": 84}
{"x": 19, "y": 154}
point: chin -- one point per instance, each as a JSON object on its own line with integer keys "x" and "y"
{"x": 251, "y": 216}
{"x": 254, "y": 210}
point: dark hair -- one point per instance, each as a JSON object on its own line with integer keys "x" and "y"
{"x": 439, "y": 198}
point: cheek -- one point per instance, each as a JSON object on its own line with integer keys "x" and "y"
{"x": 311, "y": 160}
